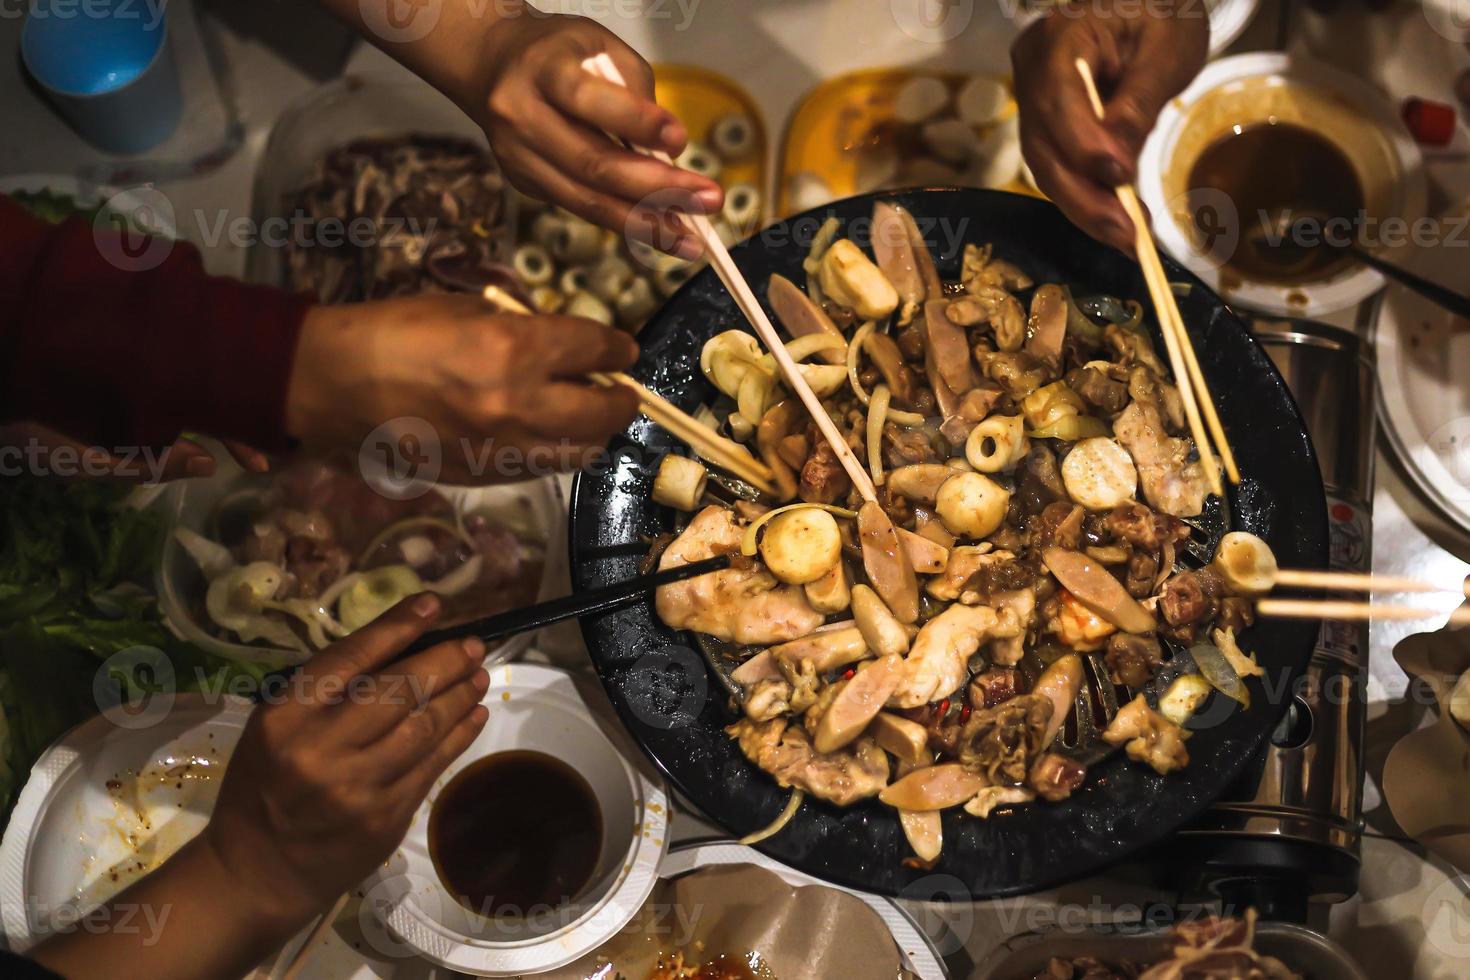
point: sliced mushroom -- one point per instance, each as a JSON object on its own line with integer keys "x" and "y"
{"x": 801, "y": 317}
{"x": 1096, "y": 588}
{"x": 934, "y": 787}
{"x": 855, "y": 705}
{"x": 887, "y": 564}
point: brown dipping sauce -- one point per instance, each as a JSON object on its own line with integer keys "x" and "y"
{"x": 513, "y": 831}
{"x": 1277, "y": 174}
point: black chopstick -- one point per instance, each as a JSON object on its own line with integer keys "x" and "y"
{"x": 579, "y": 604}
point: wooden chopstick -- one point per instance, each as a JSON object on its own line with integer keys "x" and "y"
{"x": 1341, "y": 609}
{"x": 715, "y": 448}
{"x": 1303, "y": 578}
{"x": 602, "y": 66}
{"x": 1182, "y": 360}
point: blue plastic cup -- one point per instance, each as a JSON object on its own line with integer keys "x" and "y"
{"x": 106, "y": 68}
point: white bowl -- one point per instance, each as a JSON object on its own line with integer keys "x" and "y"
{"x": 1344, "y": 107}
{"x": 545, "y": 710}
{"x": 190, "y": 503}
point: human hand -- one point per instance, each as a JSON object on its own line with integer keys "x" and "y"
{"x": 548, "y": 120}
{"x": 184, "y": 458}
{"x": 322, "y": 786}
{"x": 1141, "y": 59}
{"x": 515, "y": 383}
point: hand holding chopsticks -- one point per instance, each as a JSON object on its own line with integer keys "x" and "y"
{"x": 1193, "y": 391}
{"x": 602, "y": 66}
{"x": 709, "y": 444}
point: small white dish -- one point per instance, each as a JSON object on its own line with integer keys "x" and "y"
{"x": 918, "y": 953}
{"x": 1423, "y": 401}
{"x": 1289, "y": 88}
{"x": 541, "y": 709}
{"x": 67, "y": 846}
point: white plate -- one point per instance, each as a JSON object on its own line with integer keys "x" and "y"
{"x": 66, "y": 836}
{"x": 1422, "y": 397}
{"x": 567, "y": 716}
{"x": 1357, "y": 107}
{"x": 917, "y": 952}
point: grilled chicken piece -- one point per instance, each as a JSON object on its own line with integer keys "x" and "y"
{"x": 985, "y": 801}
{"x": 1132, "y": 659}
{"x": 786, "y": 752}
{"x": 739, "y": 605}
{"x": 1008, "y": 646}
{"x": 1171, "y": 482}
{"x": 1055, "y": 776}
{"x": 936, "y": 665}
{"x": 964, "y": 562}
{"x": 1148, "y": 737}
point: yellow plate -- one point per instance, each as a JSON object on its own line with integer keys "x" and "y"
{"x": 699, "y": 98}
{"x": 847, "y": 115}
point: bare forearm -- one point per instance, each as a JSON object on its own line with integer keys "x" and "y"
{"x": 186, "y": 921}
{"x": 443, "y": 43}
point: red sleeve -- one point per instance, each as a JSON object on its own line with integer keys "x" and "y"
{"x": 117, "y": 342}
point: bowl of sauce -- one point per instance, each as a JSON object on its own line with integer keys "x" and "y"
{"x": 538, "y": 802}
{"x": 1265, "y": 166}
{"x": 538, "y": 844}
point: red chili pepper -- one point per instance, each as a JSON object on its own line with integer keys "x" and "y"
{"x": 965, "y": 714}
{"x": 1431, "y": 123}
{"x": 943, "y": 708}
{"x": 849, "y": 673}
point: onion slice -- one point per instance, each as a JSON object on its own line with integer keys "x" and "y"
{"x": 776, "y": 826}
{"x": 877, "y": 415}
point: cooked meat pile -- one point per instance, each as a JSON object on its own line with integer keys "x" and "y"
{"x": 1210, "y": 948}
{"x": 1035, "y": 483}
{"x": 399, "y": 217}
